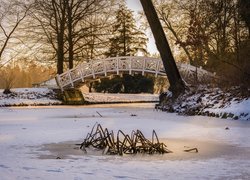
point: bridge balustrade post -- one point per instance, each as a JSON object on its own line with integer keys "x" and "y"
{"x": 117, "y": 65}
{"x": 105, "y": 67}
{"x": 58, "y": 81}
{"x": 92, "y": 68}
{"x": 144, "y": 65}
{"x": 70, "y": 79}
{"x": 130, "y": 65}
{"x": 157, "y": 68}
{"x": 81, "y": 73}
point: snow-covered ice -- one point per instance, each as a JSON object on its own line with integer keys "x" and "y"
{"x": 45, "y": 96}
{"x": 114, "y": 98}
{"x": 25, "y": 132}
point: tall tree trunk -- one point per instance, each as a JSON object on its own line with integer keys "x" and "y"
{"x": 60, "y": 53}
{"x": 176, "y": 83}
{"x": 70, "y": 35}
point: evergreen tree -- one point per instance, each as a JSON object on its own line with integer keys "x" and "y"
{"x": 127, "y": 39}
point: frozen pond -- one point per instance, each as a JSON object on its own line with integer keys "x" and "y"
{"x": 31, "y": 138}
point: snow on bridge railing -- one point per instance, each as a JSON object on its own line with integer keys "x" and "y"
{"x": 117, "y": 65}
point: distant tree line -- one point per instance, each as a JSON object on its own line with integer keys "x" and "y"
{"x": 24, "y": 74}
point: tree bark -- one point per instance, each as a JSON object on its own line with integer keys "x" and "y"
{"x": 70, "y": 34}
{"x": 60, "y": 53}
{"x": 176, "y": 83}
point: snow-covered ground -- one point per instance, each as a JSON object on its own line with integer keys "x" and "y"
{"x": 31, "y": 137}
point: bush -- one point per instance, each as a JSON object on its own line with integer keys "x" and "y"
{"x": 102, "y": 86}
{"x": 116, "y": 85}
{"x": 125, "y": 84}
{"x": 113, "y": 85}
{"x": 129, "y": 84}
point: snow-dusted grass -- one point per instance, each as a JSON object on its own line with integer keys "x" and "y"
{"x": 240, "y": 109}
{"x": 24, "y": 131}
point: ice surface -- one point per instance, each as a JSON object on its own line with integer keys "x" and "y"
{"x": 25, "y": 130}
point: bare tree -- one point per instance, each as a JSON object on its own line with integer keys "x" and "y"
{"x": 82, "y": 23}
{"x": 169, "y": 13}
{"x": 12, "y": 13}
{"x": 67, "y": 25}
{"x": 52, "y": 18}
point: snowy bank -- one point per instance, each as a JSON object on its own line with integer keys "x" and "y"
{"x": 236, "y": 109}
{"x": 29, "y": 96}
{"x": 230, "y": 103}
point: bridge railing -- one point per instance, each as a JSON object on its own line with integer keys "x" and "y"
{"x": 128, "y": 64}
{"x": 113, "y": 65}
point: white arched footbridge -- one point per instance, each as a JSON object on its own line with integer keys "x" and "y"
{"x": 118, "y": 65}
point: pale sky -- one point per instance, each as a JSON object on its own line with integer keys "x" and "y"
{"x": 135, "y": 5}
